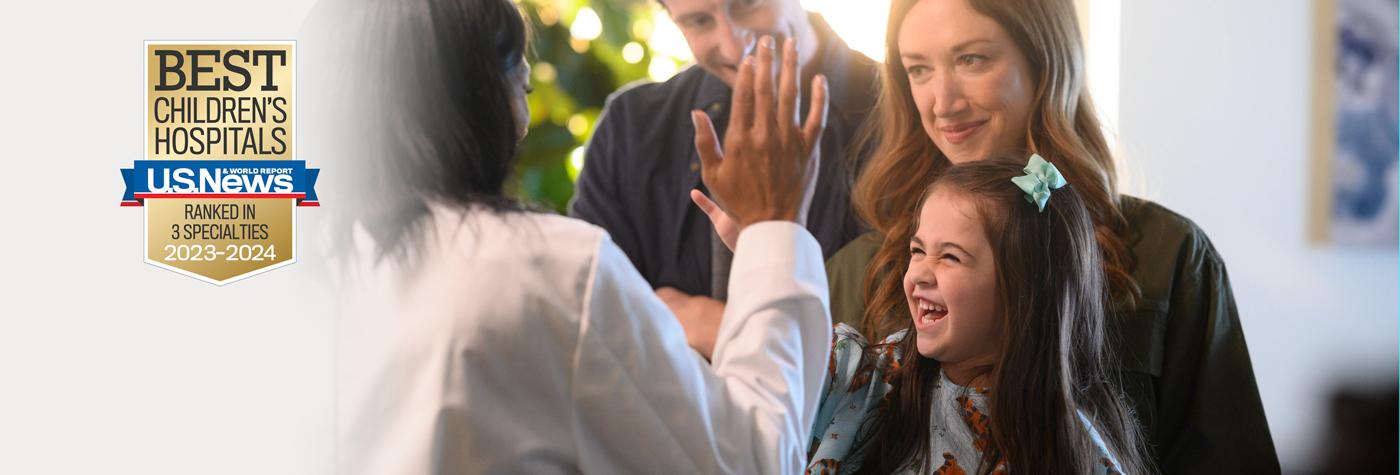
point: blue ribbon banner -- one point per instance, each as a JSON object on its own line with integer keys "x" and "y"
{"x": 220, "y": 179}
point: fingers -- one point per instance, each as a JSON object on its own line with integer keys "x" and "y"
{"x": 763, "y": 88}
{"x": 719, "y": 219}
{"x": 741, "y": 104}
{"x": 706, "y": 142}
{"x": 816, "y": 117}
{"x": 788, "y": 94}
{"x": 709, "y": 207}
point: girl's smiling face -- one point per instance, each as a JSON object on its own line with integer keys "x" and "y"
{"x": 951, "y": 286}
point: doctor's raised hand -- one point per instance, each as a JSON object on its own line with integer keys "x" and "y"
{"x": 766, "y": 164}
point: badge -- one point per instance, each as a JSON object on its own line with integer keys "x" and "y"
{"x": 220, "y": 184}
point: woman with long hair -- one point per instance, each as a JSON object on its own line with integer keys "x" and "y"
{"x": 475, "y": 335}
{"x": 970, "y": 79}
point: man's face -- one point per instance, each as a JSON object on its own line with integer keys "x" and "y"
{"x": 721, "y": 32}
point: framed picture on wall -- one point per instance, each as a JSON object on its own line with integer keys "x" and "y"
{"x": 1356, "y": 202}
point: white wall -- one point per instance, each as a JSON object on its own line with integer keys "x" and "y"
{"x": 1215, "y": 122}
{"x": 109, "y": 365}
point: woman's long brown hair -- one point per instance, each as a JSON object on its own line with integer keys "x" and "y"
{"x": 1062, "y": 124}
{"x": 1055, "y": 359}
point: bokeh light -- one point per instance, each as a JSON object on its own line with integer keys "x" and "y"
{"x": 586, "y": 25}
{"x": 632, "y": 52}
{"x": 575, "y": 163}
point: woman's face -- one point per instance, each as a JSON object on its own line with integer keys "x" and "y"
{"x": 951, "y": 285}
{"x": 971, "y": 83}
{"x": 519, "y": 78}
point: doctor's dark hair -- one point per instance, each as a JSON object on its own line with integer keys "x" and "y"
{"x": 425, "y": 112}
{"x": 1056, "y": 360}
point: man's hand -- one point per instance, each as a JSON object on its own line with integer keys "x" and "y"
{"x": 699, "y": 316}
{"x": 761, "y": 173}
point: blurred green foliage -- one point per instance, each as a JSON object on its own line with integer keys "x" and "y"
{"x": 572, "y": 79}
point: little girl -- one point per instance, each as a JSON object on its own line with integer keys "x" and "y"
{"x": 1002, "y": 366}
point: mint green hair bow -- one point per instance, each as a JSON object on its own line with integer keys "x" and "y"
{"x": 1041, "y": 177}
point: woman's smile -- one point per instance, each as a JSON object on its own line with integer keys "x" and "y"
{"x": 957, "y": 133}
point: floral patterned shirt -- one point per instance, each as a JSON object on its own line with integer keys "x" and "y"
{"x": 958, "y": 424}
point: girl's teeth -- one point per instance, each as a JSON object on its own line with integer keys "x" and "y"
{"x": 931, "y": 307}
{"x": 927, "y": 311}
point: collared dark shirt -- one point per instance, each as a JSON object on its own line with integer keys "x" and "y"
{"x": 1184, "y": 363}
{"x": 641, "y": 164}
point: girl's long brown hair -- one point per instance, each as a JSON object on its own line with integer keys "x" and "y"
{"x": 1062, "y": 124}
{"x": 1055, "y": 359}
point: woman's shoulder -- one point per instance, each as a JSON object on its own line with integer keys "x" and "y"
{"x": 478, "y": 276}
{"x": 529, "y": 248}
{"x": 551, "y": 226}
{"x": 517, "y": 233}
{"x": 1164, "y": 243}
{"x": 1173, "y": 262}
{"x": 1151, "y": 225}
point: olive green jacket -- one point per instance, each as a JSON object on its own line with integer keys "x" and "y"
{"x": 1185, "y": 365}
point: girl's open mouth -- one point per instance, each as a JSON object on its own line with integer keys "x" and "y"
{"x": 929, "y": 312}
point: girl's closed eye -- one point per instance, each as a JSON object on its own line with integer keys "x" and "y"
{"x": 949, "y": 257}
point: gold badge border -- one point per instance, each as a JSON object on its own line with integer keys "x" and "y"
{"x": 145, "y": 140}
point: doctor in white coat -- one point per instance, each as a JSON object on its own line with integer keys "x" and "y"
{"x": 477, "y": 336}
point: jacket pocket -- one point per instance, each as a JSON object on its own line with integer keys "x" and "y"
{"x": 1140, "y": 341}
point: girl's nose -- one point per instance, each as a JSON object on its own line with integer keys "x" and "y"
{"x": 921, "y": 276}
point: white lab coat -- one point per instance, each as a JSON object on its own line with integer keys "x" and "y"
{"x": 527, "y": 343}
